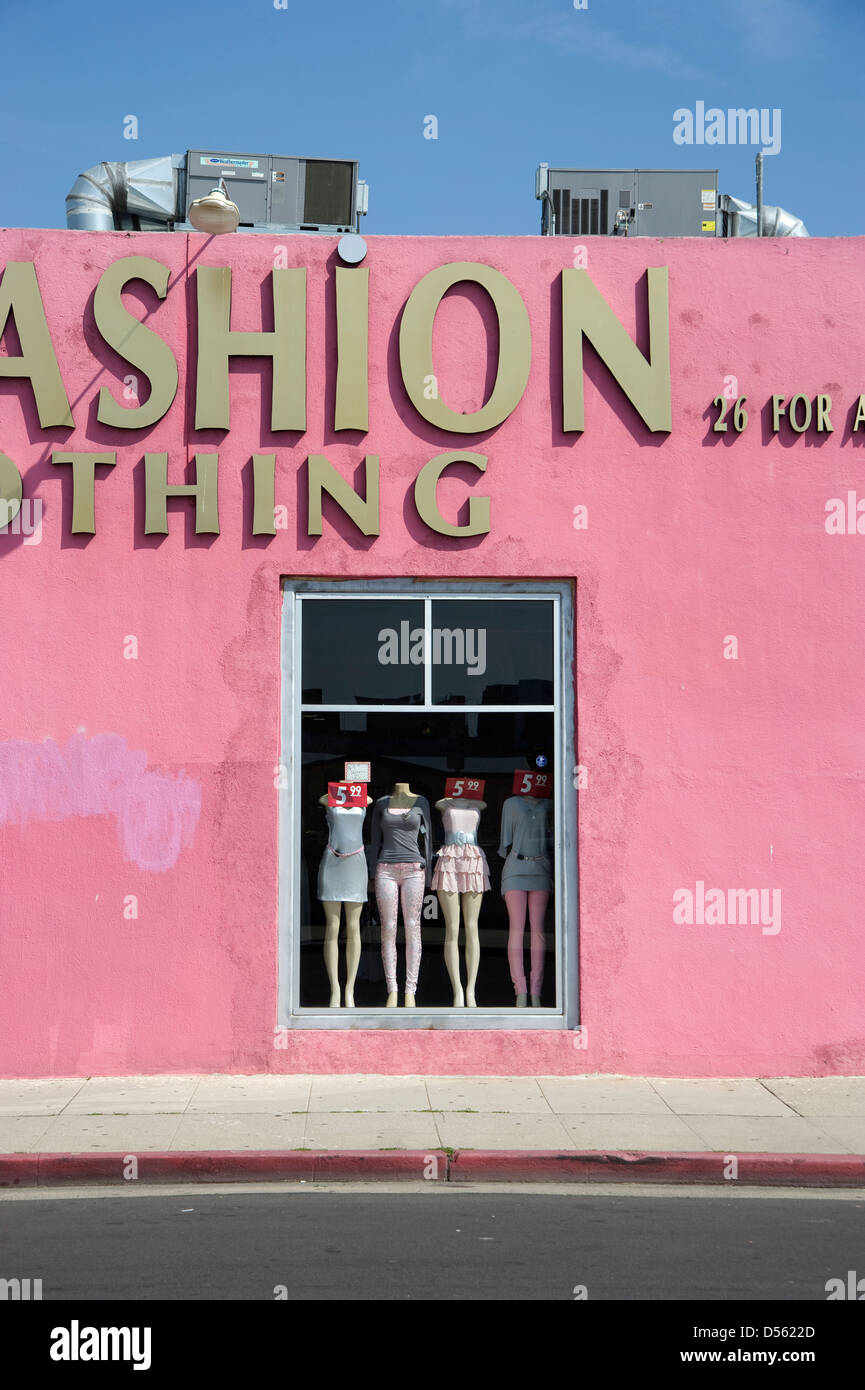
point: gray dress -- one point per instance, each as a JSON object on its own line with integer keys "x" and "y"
{"x": 342, "y": 873}
{"x": 526, "y": 833}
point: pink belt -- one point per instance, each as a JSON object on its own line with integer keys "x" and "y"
{"x": 338, "y": 854}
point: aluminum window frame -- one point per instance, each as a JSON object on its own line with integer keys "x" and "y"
{"x": 561, "y": 595}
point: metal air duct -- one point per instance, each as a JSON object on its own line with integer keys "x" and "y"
{"x": 740, "y": 219}
{"x": 141, "y": 194}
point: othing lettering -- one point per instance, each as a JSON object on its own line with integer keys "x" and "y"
{"x": 322, "y": 478}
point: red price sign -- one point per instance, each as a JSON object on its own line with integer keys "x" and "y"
{"x": 532, "y": 784}
{"x": 468, "y": 788}
{"x": 346, "y": 794}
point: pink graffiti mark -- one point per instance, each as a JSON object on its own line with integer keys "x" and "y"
{"x": 157, "y": 815}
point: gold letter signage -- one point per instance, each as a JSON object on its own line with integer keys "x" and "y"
{"x": 646, "y": 384}
{"x": 515, "y": 347}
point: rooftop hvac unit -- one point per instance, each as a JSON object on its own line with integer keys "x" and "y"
{"x": 650, "y": 202}
{"x": 628, "y": 202}
{"x": 275, "y": 193}
{"x": 301, "y": 195}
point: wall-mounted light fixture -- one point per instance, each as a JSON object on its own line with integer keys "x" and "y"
{"x": 215, "y": 212}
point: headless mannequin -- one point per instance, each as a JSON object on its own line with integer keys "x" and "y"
{"x": 525, "y": 901}
{"x": 331, "y": 941}
{"x": 402, "y": 798}
{"x": 470, "y": 905}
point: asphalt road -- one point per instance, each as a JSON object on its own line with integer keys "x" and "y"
{"x": 370, "y": 1244}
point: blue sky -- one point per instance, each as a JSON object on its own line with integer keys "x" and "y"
{"x": 510, "y": 84}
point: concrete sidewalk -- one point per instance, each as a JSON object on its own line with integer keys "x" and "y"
{"x": 490, "y": 1126}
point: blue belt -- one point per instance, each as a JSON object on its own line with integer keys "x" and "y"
{"x": 460, "y": 837}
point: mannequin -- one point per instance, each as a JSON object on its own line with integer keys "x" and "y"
{"x": 527, "y": 881}
{"x": 342, "y": 883}
{"x": 402, "y": 871}
{"x": 460, "y": 879}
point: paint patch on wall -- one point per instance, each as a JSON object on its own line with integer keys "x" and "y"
{"x": 157, "y": 814}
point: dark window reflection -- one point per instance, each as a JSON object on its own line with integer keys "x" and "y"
{"x": 362, "y": 651}
{"x": 492, "y": 652}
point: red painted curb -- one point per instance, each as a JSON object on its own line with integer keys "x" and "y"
{"x": 766, "y": 1169}
{"x": 401, "y": 1164}
{"x": 19, "y": 1170}
{"x": 467, "y": 1165}
{"x": 57, "y": 1169}
{"x": 243, "y": 1165}
{"x": 251, "y": 1165}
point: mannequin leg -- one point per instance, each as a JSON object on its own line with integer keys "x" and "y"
{"x": 331, "y": 949}
{"x": 412, "y": 905}
{"x": 352, "y": 949}
{"x": 471, "y": 906}
{"x": 538, "y": 900}
{"x": 450, "y": 906}
{"x": 387, "y": 898}
{"x": 516, "y": 900}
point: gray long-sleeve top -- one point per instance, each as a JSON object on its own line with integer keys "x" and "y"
{"x": 525, "y": 836}
{"x": 525, "y": 827}
{"x": 394, "y": 835}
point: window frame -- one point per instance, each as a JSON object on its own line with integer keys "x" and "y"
{"x": 560, "y": 594}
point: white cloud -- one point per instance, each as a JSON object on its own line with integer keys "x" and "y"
{"x": 561, "y": 27}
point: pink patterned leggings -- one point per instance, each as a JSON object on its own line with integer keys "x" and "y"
{"x": 537, "y": 904}
{"x": 389, "y": 879}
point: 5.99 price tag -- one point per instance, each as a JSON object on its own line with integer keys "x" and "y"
{"x": 532, "y": 784}
{"x": 346, "y": 794}
{"x": 468, "y": 788}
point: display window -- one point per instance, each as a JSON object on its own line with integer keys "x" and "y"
{"x": 427, "y": 806}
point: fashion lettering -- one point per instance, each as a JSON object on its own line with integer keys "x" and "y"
{"x": 214, "y": 344}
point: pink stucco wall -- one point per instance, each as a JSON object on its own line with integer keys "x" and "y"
{"x": 157, "y": 781}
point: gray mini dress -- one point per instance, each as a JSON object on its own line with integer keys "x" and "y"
{"x": 343, "y": 872}
{"x": 526, "y": 845}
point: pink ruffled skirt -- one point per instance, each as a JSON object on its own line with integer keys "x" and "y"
{"x": 461, "y": 869}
